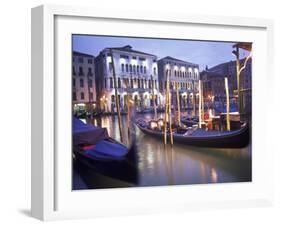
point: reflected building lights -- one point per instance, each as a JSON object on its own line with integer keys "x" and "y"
{"x": 214, "y": 175}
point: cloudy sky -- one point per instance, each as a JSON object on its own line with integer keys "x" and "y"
{"x": 199, "y": 52}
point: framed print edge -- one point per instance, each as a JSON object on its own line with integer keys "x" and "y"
{"x": 44, "y": 193}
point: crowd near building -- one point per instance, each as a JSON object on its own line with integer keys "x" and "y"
{"x": 141, "y": 76}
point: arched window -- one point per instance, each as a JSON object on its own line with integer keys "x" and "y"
{"x": 111, "y": 82}
{"x": 127, "y": 68}
{"x": 131, "y": 69}
{"x": 113, "y": 100}
{"x": 144, "y": 69}
{"x": 119, "y": 83}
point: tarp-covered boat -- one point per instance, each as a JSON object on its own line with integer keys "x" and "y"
{"x": 106, "y": 162}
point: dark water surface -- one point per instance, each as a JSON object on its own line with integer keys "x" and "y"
{"x": 181, "y": 164}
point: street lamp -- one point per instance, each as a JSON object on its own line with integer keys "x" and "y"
{"x": 103, "y": 101}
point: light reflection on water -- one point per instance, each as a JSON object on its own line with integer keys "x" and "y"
{"x": 181, "y": 164}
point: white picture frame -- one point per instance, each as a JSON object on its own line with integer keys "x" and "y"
{"x": 52, "y": 199}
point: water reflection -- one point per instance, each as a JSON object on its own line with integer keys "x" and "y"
{"x": 181, "y": 164}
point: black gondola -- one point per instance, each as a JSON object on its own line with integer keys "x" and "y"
{"x": 99, "y": 170}
{"x": 202, "y": 138}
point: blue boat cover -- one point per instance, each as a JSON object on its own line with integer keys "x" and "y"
{"x": 87, "y": 134}
{"x": 107, "y": 150}
{"x": 222, "y": 109}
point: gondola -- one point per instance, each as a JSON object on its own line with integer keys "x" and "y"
{"x": 200, "y": 137}
{"x": 102, "y": 161}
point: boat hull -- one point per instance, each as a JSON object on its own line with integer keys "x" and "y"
{"x": 108, "y": 173}
{"x": 234, "y": 139}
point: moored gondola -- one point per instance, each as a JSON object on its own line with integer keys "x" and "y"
{"x": 202, "y": 138}
{"x": 102, "y": 161}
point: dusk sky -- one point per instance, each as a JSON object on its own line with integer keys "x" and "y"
{"x": 199, "y": 52}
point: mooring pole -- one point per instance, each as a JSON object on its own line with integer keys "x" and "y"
{"x": 178, "y": 102}
{"x": 200, "y": 105}
{"x": 170, "y": 118}
{"x": 202, "y": 99}
{"x": 166, "y": 107}
{"x": 154, "y": 101}
{"x": 227, "y": 104}
{"x": 194, "y": 103}
{"x": 116, "y": 97}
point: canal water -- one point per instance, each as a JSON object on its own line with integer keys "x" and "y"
{"x": 181, "y": 164}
